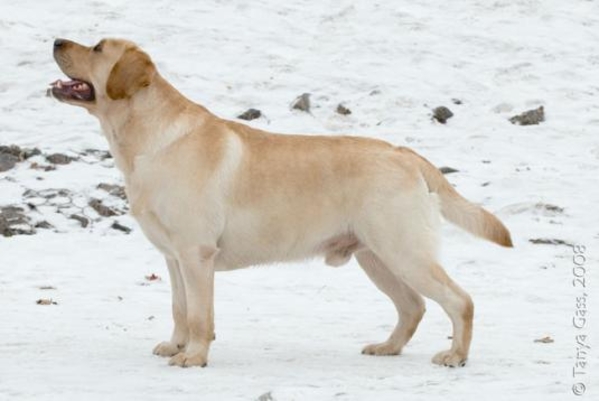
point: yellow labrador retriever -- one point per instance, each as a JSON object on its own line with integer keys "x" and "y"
{"x": 214, "y": 195}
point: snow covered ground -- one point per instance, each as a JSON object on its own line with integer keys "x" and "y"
{"x": 294, "y": 332}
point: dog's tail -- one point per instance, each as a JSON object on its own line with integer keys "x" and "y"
{"x": 459, "y": 210}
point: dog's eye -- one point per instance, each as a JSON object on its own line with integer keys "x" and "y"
{"x": 98, "y": 48}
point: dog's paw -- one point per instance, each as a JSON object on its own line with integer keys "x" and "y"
{"x": 167, "y": 348}
{"x": 187, "y": 359}
{"x": 450, "y": 358}
{"x": 386, "y": 348}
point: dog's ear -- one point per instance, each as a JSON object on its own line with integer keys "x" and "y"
{"x": 133, "y": 71}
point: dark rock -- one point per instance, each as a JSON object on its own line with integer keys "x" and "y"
{"x": 530, "y": 117}
{"x": 45, "y": 301}
{"x": 442, "y": 114}
{"x": 7, "y": 161}
{"x": 117, "y": 226}
{"x": 102, "y": 209}
{"x": 14, "y": 214}
{"x": 4, "y": 227}
{"x": 250, "y": 114}
{"x": 456, "y": 101}
{"x": 84, "y": 221}
{"x": 266, "y": 397}
{"x": 344, "y": 111}
{"x": 43, "y": 224}
{"x": 114, "y": 190}
{"x": 10, "y": 218}
{"x": 302, "y": 103}
{"x": 551, "y": 208}
{"x": 36, "y": 166}
{"x": 448, "y": 170}
{"x": 100, "y": 154}
{"x": 27, "y": 153}
{"x": 11, "y": 150}
{"x": 20, "y": 153}
{"x": 59, "y": 158}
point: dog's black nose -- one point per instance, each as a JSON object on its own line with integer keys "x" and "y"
{"x": 58, "y": 43}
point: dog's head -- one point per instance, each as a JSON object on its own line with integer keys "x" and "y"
{"x": 109, "y": 71}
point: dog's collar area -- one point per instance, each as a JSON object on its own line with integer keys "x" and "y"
{"x": 74, "y": 89}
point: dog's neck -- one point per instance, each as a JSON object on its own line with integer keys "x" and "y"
{"x": 130, "y": 136}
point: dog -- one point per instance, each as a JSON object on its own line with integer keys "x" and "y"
{"x": 215, "y": 195}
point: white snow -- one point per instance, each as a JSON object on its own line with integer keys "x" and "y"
{"x": 296, "y": 331}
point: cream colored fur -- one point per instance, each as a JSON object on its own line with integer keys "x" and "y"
{"x": 214, "y": 195}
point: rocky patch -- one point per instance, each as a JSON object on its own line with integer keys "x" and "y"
{"x": 12, "y": 154}
{"x": 530, "y": 117}
{"x": 14, "y": 221}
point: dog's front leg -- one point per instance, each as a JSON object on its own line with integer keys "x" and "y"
{"x": 179, "y": 304}
{"x": 197, "y": 268}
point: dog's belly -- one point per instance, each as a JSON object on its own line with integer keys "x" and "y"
{"x": 264, "y": 240}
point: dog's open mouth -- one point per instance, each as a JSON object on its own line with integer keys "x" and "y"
{"x": 73, "y": 90}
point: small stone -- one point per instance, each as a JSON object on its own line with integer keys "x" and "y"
{"x": 302, "y": 103}
{"x": 250, "y": 114}
{"x": 37, "y": 166}
{"x": 344, "y": 111}
{"x": 549, "y": 207}
{"x": 44, "y": 301}
{"x": 266, "y": 397}
{"x": 545, "y": 340}
{"x": 153, "y": 277}
{"x": 43, "y": 224}
{"x": 530, "y": 117}
{"x": 442, "y": 114}
{"x": 456, "y": 101}
{"x": 114, "y": 190}
{"x": 117, "y": 226}
{"x": 27, "y": 153}
{"x": 448, "y": 170}
{"x": 84, "y": 221}
{"x": 100, "y": 154}
{"x": 102, "y": 209}
{"x": 59, "y": 158}
{"x": 7, "y": 161}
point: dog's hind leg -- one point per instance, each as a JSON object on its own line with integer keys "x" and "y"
{"x": 428, "y": 278}
{"x": 403, "y": 235}
{"x": 409, "y": 304}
